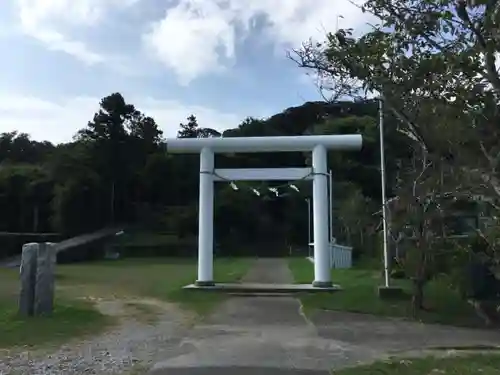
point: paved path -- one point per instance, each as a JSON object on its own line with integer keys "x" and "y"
{"x": 271, "y": 335}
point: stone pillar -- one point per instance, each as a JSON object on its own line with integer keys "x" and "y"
{"x": 28, "y": 279}
{"x": 206, "y": 219}
{"x": 45, "y": 278}
{"x": 322, "y": 277}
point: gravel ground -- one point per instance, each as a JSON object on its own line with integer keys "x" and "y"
{"x": 118, "y": 351}
{"x": 244, "y": 335}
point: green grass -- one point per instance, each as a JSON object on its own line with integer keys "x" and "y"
{"x": 157, "y": 278}
{"x": 484, "y": 364}
{"x": 225, "y": 271}
{"x": 160, "y": 278}
{"x": 359, "y": 295}
{"x": 70, "y": 319}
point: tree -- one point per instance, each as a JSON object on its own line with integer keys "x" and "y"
{"x": 418, "y": 210}
{"x": 426, "y": 53}
{"x": 71, "y": 185}
{"x": 108, "y": 124}
{"x": 157, "y": 179}
{"x": 19, "y": 148}
{"x": 192, "y": 130}
{"x": 23, "y": 187}
{"x": 434, "y": 65}
{"x": 145, "y": 129}
{"x": 78, "y": 204}
{"x": 119, "y": 139}
{"x": 108, "y": 141}
{"x": 355, "y": 220}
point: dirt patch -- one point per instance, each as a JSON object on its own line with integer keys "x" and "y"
{"x": 145, "y": 330}
{"x": 146, "y": 313}
{"x": 91, "y": 291}
{"x": 143, "y": 310}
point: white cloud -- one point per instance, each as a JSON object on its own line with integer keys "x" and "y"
{"x": 58, "y": 121}
{"x": 53, "y": 21}
{"x": 197, "y": 37}
{"x": 189, "y": 42}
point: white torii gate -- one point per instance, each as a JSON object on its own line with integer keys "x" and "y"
{"x": 317, "y": 144}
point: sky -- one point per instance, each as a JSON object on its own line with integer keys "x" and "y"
{"x": 221, "y": 60}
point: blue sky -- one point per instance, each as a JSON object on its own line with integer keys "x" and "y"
{"x": 221, "y": 60}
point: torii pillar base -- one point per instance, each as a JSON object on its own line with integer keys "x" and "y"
{"x": 322, "y": 284}
{"x": 204, "y": 283}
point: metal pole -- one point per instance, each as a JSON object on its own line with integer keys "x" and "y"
{"x": 206, "y": 219}
{"x": 330, "y": 198}
{"x": 330, "y": 208}
{"x": 308, "y": 201}
{"x": 384, "y": 201}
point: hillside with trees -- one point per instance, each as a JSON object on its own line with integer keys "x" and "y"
{"x": 117, "y": 171}
{"x": 433, "y": 64}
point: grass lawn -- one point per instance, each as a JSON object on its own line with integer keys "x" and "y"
{"x": 485, "y": 364}
{"x": 158, "y": 278}
{"x": 71, "y": 317}
{"x": 359, "y": 294}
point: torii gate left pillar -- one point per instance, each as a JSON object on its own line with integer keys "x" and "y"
{"x": 206, "y": 147}
{"x": 206, "y": 219}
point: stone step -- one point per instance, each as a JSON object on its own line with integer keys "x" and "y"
{"x": 261, "y": 294}
{"x": 252, "y": 288}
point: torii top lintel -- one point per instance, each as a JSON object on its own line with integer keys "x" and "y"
{"x": 302, "y": 143}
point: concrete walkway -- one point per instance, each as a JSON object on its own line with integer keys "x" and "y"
{"x": 271, "y": 335}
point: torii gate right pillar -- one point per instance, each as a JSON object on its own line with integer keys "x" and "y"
{"x": 322, "y": 275}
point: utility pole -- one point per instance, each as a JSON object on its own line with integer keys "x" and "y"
{"x": 308, "y": 201}
{"x": 330, "y": 202}
{"x": 330, "y": 217}
{"x": 384, "y": 198}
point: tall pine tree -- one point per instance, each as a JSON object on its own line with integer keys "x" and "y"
{"x": 189, "y": 130}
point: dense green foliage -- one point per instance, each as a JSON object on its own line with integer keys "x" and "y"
{"x": 434, "y": 66}
{"x": 117, "y": 171}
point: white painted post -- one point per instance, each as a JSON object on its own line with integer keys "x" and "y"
{"x": 206, "y": 215}
{"x": 320, "y": 219}
{"x": 309, "y": 225}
